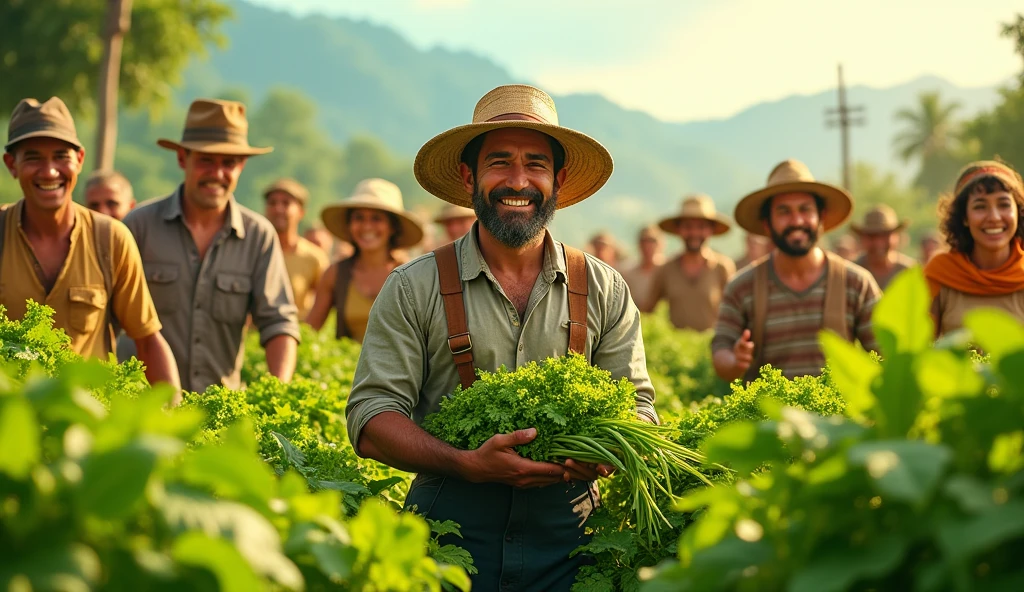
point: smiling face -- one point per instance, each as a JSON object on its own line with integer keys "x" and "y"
{"x": 112, "y": 197}
{"x": 47, "y": 170}
{"x": 284, "y": 211}
{"x": 371, "y": 229}
{"x": 695, "y": 232}
{"x": 210, "y": 179}
{"x": 794, "y": 223}
{"x": 991, "y": 218}
{"x": 877, "y": 245}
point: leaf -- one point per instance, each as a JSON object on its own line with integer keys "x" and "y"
{"x": 70, "y": 567}
{"x": 230, "y": 472}
{"x": 1005, "y": 454}
{"x": 972, "y": 495}
{"x": 456, "y": 576}
{"x": 292, "y": 454}
{"x": 853, "y": 371}
{"x": 905, "y": 470}
{"x": 901, "y": 320}
{"x": 838, "y": 569}
{"x": 943, "y": 374}
{"x": 439, "y": 528}
{"x": 996, "y": 331}
{"x": 812, "y": 431}
{"x": 379, "y": 485}
{"x": 744, "y": 446}
{"x": 113, "y": 482}
{"x": 454, "y": 555}
{"x": 898, "y": 395}
{"x": 233, "y": 572}
{"x": 19, "y": 437}
{"x": 962, "y": 539}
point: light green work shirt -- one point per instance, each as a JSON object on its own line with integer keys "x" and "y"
{"x": 406, "y": 366}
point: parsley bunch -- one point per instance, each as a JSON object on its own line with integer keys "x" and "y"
{"x": 579, "y": 413}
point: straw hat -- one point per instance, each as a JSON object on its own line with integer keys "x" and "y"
{"x": 375, "y": 194}
{"x": 215, "y": 127}
{"x": 697, "y": 207}
{"x": 289, "y": 186}
{"x": 587, "y": 163}
{"x": 32, "y": 119}
{"x": 454, "y": 212}
{"x": 792, "y": 176}
{"x": 879, "y": 220}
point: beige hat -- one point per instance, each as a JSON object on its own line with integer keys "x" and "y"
{"x": 376, "y": 194}
{"x": 32, "y": 119}
{"x": 215, "y": 127}
{"x": 699, "y": 207}
{"x": 879, "y": 220}
{"x": 289, "y": 186}
{"x": 792, "y": 176}
{"x": 588, "y": 164}
{"x": 454, "y": 212}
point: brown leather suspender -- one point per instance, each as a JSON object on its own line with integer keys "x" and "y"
{"x": 459, "y": 341}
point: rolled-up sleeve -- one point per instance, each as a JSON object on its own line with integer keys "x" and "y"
{"x": 132, "y": 304}
{"x": 273, "y": 307}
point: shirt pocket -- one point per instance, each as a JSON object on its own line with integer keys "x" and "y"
{"x": 162, "y": 279}
{"x": 88, "y": 307}
{"x": 231, "y": 298}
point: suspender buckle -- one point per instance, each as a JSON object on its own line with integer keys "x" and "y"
{"x": 460, "y": 344}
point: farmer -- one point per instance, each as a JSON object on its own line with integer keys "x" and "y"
{"x": 694, "y": 281}
{"x": 505, "y": 294}
{"x": 109, "y": 192}
{"x": 285, "y": 205}
{"x": 211, "y": 262}
{"x": 771, "y": 313}
{"x": 456, "y": 220}
{"x": 756, "y": 246}
{"x": 880, "y": 236}
{"x": 83, "y": 265}
{"x": 651, "y": 243}
{"x": 604, "y": 246}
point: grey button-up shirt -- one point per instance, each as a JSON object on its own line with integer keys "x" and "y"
{"x": 406, "y": 366}
{"x": 203, "y": 303}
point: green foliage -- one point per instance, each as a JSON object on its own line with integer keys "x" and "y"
{"x": 679, "y": 363}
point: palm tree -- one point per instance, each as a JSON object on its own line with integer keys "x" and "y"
{"x": 930, "y": 128}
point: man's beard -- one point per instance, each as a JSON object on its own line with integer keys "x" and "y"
{"x": 793, "y": 251}
{"x": 514, "y": 229}
{"x": 694, "y": 245}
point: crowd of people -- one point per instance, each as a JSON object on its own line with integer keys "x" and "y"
{"x": 178, "y": 280}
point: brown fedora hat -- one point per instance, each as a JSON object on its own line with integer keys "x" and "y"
{"x": 289, "y": 186}
{"x": 454, "y": 212}
{"x": 697, "y": 207}
{"x": 375, "y": 194}
{"x": 588, "y": 164}
{"x": 32, "y": 119}
{"x": 880, "y": 219}
{"x": 215, "y": 127}
{"x": 793, "y": 176}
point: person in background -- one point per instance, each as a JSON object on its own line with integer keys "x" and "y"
{"x": 604, "y": 246}
{"x": 931, "y": 245}
{"x": 694, "y": 281}
{"x": 756, "y": 247}
{"x": 285, "y": 201}
{"x": 985, "y": 263}
{"x": 377, "y": 224}
{"x": 651, "y": 243}
{"x": 321, "y": 237}
{"x": 109, "y": 192}
{"x": 880, "y": 236}
{"x": 457, "y": 221}
{"x": 846, "y": 246}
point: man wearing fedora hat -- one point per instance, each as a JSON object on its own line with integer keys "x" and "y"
{"x": 694, "y": 281}
{"x": 880, "y": 236}
{"x": 650, "y": 243}
{"x": 285, "y": 206}
{"x": 83, "y": 265}
{"x": 503, "y": 295}
{"x": 456, "y": 220}
{"x": 212, "y": 263}
{"x": 772, "y": 312}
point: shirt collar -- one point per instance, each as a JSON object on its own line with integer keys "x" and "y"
{"x": 172, "y": 210}
{"x": 473, "y": 263}
{"x": 18, "y": 208}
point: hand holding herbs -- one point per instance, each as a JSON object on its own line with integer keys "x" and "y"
{"x": 580, "y": 414}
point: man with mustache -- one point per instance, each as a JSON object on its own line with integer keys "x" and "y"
{"x": 212, "y": 263}
{"x": 504, "y": 294}
{"x": 771, "y": 313}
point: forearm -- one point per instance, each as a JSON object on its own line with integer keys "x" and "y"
{"x": 725, "y": 365}
{"x": 155, "y": 353}
{"x": 395, "y": 440}
{"x": 281, "y": 352}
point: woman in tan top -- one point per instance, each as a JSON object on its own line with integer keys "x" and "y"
{"x": 985, "y": 265}
{"x": 375, "y": 221}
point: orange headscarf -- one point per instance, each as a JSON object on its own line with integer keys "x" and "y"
{"x": 957, "y": 271}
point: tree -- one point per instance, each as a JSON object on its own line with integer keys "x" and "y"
{"x": 931, "y": 134}
{"x": 1015, "y": 31}
{"x": 119, "y": 18}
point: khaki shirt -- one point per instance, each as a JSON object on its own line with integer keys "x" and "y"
{"x": 903, "y": 262}
{"x": 203, "y": 303}
{"x": 79, "y": 297}
{"x": 305, "y": 265}
{"x": 408, "y": 318}
{"x": 693, "y": 301}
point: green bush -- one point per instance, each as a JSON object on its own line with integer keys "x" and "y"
{"x": 679, "y": 362}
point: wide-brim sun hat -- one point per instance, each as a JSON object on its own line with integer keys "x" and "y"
{"x": 881, "y": 219}
{"x": 793, "y": 176}
{"x": 588, "y": 164}
{"x": 215, "y": 127}
{"x": 374, "y": 194}
{"x": 697, "y": 207}
{"x": 454, "y": 212}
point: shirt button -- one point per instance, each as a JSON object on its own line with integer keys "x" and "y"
{"x": 508, "y": 538}
{"x": 520, "y": 347}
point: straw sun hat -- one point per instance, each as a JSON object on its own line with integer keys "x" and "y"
{"x": 375, "y": 194}
{"x": 699, "y": 207}
{"x": 215, "y": 127}
{"x": 454, "y": 212}
{"x": 880, "y": 219}
{"x": 587, "y": 163}
{"x": 793, "y": 176}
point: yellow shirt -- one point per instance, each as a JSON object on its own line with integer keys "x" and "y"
{"x": 79, "y": 296}
{"x": 357, "y": 312}
{"x": 305, "y": 265}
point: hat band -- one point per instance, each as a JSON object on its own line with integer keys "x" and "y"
{"x": 517, "y": 117}
{"x": 985, "y": 171}
{"x": 40, "y": 126}
{"x": 214, "y": 134}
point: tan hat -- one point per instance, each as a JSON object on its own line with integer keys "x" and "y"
{"x": 793, "y": 176}
{"x": 454, "y": 212}
{"x": 699, "y": 207}
{"x": 375, "y": 194}
{"x": 215, "y": 127}
{"x": 32, "y": 119}
{"x": 879, "y": 220}
{"x": 289, "y": 186}
{"x": 650, "y": 231}
{"x": 588, "y": 164}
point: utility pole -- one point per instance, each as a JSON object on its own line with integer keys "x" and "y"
{"x": 844, "y": 116}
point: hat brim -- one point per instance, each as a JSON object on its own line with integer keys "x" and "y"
{"x": 214, "y": 147}
{"x": 838, "y": 204}
{"x": 588, "y": 164}
{"x": 70, "y": 139}
{"x": 868, "y": 230}
{"x": 410, "y": 232}
{"x": 670, "y": 225}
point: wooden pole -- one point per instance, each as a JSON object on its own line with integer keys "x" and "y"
{"x": 845, "y": 117}
{"x": 117, "y": 23}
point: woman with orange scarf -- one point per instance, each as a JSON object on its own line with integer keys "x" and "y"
{"x": 985, "y": 264}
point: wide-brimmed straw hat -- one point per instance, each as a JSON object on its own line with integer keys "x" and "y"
{"x": 375, "y": 194}
{"x": 454, "y": 212}
{"x": 587, "y": 163}
{"x": 215, "y": 127}
{"x": 289, "y": 186}
{"x": 880, "y": 219}
{"x": 697, "y": 207}
{"x": 32, "y": 119}
{"x": 793, "y": 176}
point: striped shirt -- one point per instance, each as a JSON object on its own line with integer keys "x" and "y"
{"x": 794, "y": 319}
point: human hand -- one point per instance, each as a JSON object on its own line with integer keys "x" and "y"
{"x": 743, "y": 351}
{"x": 496, "y": 461}
{"x": 582, "y": 471}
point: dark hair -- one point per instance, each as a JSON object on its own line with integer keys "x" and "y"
{"x": 766, "y": 206}
{"x": 471, "y": 153}
{"x": 953, "y": 213}
{"x": 396, "y": 224}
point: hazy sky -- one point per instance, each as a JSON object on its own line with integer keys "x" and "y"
{"x": 698, "y": 59}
